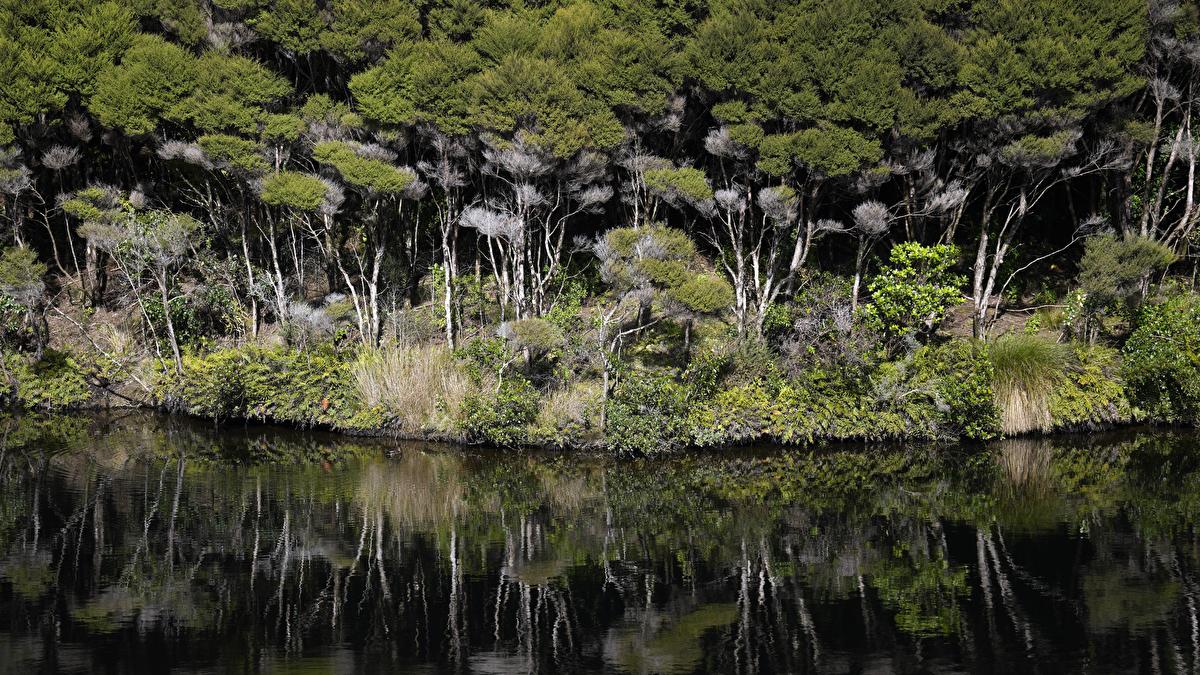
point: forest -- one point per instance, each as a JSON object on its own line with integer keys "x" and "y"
{"x": 638, "y": 225}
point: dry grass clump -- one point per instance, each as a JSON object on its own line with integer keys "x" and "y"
{"x": 569, "y": 413}
{"x": 422, "y": 387}
{"x": 1027, "y": 368}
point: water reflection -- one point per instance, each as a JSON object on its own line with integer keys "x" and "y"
{"x": 139, "y": 545}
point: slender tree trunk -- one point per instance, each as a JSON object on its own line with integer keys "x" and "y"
{"x": 166, "y": 300}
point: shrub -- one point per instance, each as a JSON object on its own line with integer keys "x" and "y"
{"x": 937, "y": 392}
{"x": 1027, "y": 369}
{"x": 647, "y": 414}
{"x": 912, "y": 293}
{"x": 417, "y": 388}
{"x": 55, "y": 382}
{"x": 1113, "y": 273}
{"x": 1091, "y": 394}
{"x": 965, "y": 375}
{"x": 1162, "y": 360}
{"x": 305, "y": 388}
{"x": 500, "y": 417}
{"x": 825, "y": 335}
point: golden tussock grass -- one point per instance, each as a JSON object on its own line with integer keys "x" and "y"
{"x": 421, "y": 387}
{"x": 1026, "y": 369}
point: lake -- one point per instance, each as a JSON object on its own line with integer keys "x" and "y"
{"x": 142, "y": 544}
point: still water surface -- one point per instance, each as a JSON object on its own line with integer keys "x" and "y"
{"x": 142, "y": 544}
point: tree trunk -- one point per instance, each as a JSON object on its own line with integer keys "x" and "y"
{"x": 162, "y": 288}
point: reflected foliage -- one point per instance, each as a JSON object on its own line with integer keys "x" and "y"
{"x": 120, "y": 531}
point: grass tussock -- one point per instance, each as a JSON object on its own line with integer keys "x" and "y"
{"x": 1026, "y": 369}
{"x": 569, "y": 413}
{"x": 421, "y": 388}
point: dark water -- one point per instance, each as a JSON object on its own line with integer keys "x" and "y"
{"x": 146, "y": 545}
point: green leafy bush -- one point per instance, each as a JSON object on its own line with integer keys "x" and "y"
{"x": 913, "y": 291}
{"x": 965, "y": 375}
{"x": 647, "y": 414}
{"x": 56, "y": 382}
{"x": 1091, "y": 394}
{"x": 939, "y": 392}
{"x": 1162, "y": 360}
{"x": 307, "y": 388}
{"x": 500, "y": 417}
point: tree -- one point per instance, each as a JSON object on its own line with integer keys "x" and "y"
{"x": 150, "y": 243}
{"x": 646, "y": 268}
{"x": 22, "y": 282}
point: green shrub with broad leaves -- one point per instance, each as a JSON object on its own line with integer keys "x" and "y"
{"x": 1162, "y": 360}
{"x": 501, "y": 416}
{"x": 647, "y": 414}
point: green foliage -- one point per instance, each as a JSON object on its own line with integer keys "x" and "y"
{"x": 371, "y": 174}
{"x": 55, "y": 382}
{"x": 966, "y": 372}
{"x": 231, "y": 94}
{"x": 362, "y": 28}
{"x": 1162, "y": 360}
{"x": 942, "y": 392}
{"x": 646, "y": 415}
{"x": 152, "y": 80}
{"x": 294, "y": 190}
{"x": 1028, "y": 363}
{"x": 522, "y": 89}
{"x": 703, "y": 293}
{"x": 1091, "y": 394}
{"x": 305, "y": 388}
{"x": 912, "y": 293}
{"x": 500, "y": 417}
{"x": 426, "y": 82}
{"x": 687, "y": 184}
{"x": 1113, "y": 273}
{"x": 537, "y": 335}
{"x": 234, "y": 152}
{"x": 21, "y": 275}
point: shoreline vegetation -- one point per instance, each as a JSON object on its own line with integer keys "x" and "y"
{"x": 634, "y": 226}
{"x": 957, "y": 390}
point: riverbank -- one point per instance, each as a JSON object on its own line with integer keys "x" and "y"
{"x": 953, "y": 390}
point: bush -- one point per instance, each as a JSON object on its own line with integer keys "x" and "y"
{"x": 1162, "y": 361}
{"x": 1091, "y": 394}
{"x": 305, "y": 388}
{"x": 56, "y": 382}
{"x": 824, "y": 334}
{"x": 912, "y": 293}
{"x": 1113, "y": 273}
{"x": 967, "y": 401}
{"x": 647, "y": 414}
{"x": 500, "y": 417}
{"x": 937, "y": 392}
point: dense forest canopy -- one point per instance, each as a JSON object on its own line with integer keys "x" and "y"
{"x": 489, "y": 158}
